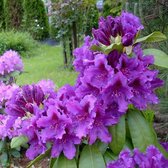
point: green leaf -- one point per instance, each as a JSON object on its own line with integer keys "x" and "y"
{"x": 118, "y": 133}
{"x": 128, "y": 144}
{"x": 101, "y": 146}
{"x": 39, "y": 158}
{"x": 107, "y": 49}
{"x": 141, "y": 131}
{"x": 153, "y": 37}
{"x": 52, "y": 161}
{"x": 96, "y": 48}
{"x": 91, "y": 158}
{"x": 161, "y": 58}
{"x": 63, "y": 162}
{"x": 113, "y": 46}
{"x": 15, "y": 153}
{"x": 109, "y": 156}
{"x": 4, "y": 159}
{"x": 2, "y": 145}
{"x": 18, "y": 141}
{"x": 149, "y": 115}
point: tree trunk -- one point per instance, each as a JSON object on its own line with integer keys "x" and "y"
{"x": 74, "y": 30}
{"x": 64, "y": 52}
{"x": 70, "y": 50}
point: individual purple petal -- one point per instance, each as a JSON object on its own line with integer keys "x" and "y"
{"x": 118, "y": 92}
{"x": 99, "y": 74}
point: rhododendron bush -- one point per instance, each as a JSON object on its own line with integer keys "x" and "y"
{"x": 100, "y": 121}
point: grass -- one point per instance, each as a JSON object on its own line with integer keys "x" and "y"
{"x": 47, "y": 64}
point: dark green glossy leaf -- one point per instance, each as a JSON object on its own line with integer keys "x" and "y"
{"x": 101, "y": 146}
{"x": 141, "y": 131}
{"x": 91, "y": 157}
{"x": 52, "y": 161}
{"x": 18, "y": 141}
{"x": 109, "y": 156}
{"x": 63, "y": 162}
{"x": 118, "y": 133}
{"x": 161, "y": 58}
{"x": 149, "y": 115}
{"x": 39, "y": 158}
{"x": 153, "y": 37}
{"x": 128, "y": 144}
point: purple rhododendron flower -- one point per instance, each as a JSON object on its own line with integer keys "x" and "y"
{"x": 165, "y": 145}
{"x": 152, "y": 158}
{"x": 99, "y": 74}
{"x": 10, "y": 61}
{"x": 66, "y": 144}
{"x": 47, "y": 86}
{"x": 108, "y": 29}
{"x": 6, "y": 92}
{"x": 127, "y": 26}
{"x": 130, "y": 26}
{"x": 82, "y": 114}
{"x": 23, "y": 110}
{"x": 83, "y": 55}
{"x": 117, "y": 94}
{"x": 125, "y": 160}
{"x": 24, "y": 100}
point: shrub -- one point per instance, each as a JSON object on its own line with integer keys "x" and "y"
{"x": 21, "y": 42}
{"x": 35, "y": 19}
{"x": 13, "y": 13}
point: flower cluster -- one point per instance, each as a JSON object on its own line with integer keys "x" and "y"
{"x": 23, "y": 107}
{"x": 10, "y": 61}
{"x": 153, "y": 158}
{"x": 6, "y": 92}
{"x": 124, "y": 28}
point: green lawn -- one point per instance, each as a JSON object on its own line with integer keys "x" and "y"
{"x": 47, "y": 64}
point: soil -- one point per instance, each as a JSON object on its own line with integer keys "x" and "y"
{"x": 23, "y": 162}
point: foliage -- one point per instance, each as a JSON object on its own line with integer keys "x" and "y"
{"x": 13, "y": 14}
{"x": 18, "y": 41}
{"x": 112, "y": 7}
{"x": 6, "y": 153}
{"x": 2, "y": 23}
{"x": 71, "y": 21}
{"x": 154, "y": 19}
{"x": 35, "y": 19}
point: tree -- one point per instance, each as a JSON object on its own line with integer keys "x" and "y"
{"x": 71, "y": 21}
{"x": 2, "y": 23}
{"x": 35, "y": 19}
{"x": 13, "y": 13}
